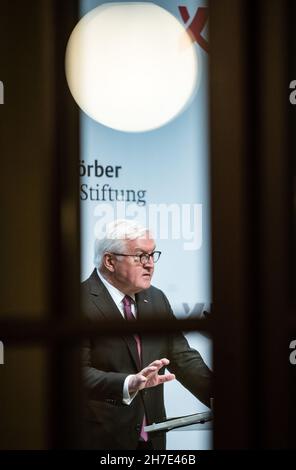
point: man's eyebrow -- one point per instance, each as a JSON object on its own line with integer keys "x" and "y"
{"x": 143, "y": 251}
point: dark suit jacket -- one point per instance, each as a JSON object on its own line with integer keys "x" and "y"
{"x": 108, "y": 360}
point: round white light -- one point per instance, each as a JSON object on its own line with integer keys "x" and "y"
{"x": 131, "y": 66}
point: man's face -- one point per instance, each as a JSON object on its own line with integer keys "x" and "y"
{"x": 129, "y": 275}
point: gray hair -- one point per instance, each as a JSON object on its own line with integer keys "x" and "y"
{"x": 114, "y": 239}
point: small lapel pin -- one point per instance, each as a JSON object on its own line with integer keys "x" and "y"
{"x": 146, "y": 301}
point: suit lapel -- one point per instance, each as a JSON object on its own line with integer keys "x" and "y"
{"x": 104, "y": 302}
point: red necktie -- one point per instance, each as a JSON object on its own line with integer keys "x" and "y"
{"x": 127, "y": 309}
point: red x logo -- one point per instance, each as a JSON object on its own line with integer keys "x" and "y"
{"x": 197, "y": 25}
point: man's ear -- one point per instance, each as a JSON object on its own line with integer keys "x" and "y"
{"x": 108, "y": 262}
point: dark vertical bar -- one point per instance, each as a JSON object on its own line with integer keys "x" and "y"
{"x": 231, "y": 218}
{"x": 253, "y": 221}
{"x": 65, "y": 356}
{"x": 252, "y": 188}
{"x": 291, "y": 47}
{"x": 275, "y": 218}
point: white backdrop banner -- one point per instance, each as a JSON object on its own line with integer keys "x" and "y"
{"x": 161, "y": 178}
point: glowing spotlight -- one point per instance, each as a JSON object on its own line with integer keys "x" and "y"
{"x": 131, "y": 66}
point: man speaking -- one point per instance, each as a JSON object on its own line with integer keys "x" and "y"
{"x": 124, "y": 375}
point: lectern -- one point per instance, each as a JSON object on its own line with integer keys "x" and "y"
{"x": 197, "y": 421}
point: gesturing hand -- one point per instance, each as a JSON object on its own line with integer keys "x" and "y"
{"x": 148, "y": 377}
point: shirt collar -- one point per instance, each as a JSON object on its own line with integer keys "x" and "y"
{"x": 115, "y": 293}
